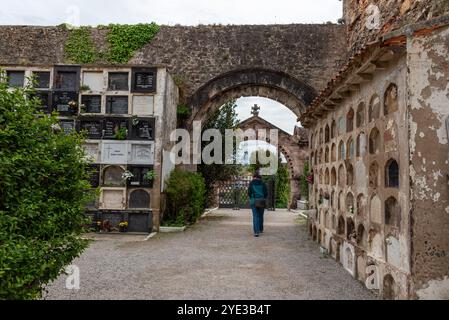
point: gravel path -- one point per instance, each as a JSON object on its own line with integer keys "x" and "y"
{"x": 216, "y": 259}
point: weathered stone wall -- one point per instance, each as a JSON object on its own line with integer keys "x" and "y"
{"x": 394, "y": 14}
{"x": 429, "y": 165}
{"x": 196, "y": 55}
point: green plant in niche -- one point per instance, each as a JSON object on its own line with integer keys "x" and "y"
{"x": 135, "y": 120}
{"x": 121, "y": 133}
{"x": 124, "y": 40}
{"x": 183, "y": 111}
{"x": 84, "y": 87}
{"x": 150, "y": 175}
{"x": 79, "y": 47}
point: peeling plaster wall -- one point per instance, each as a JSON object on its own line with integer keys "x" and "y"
{"x": 429, "y": 166}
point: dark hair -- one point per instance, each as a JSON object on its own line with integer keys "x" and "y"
{"x": 257, "y": 175}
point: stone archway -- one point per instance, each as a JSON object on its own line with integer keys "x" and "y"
{"x": 294, "y": 147}
{"x": 275, "y": 85}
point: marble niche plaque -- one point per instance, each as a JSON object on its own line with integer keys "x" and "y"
{"x": 144, "y": 80}
{"x": 92, "y": 127}
{"x": 112, "y": 199}
{"x": 111, "y": 127}
{"x": 91, "y": 150}
{"x": 62, "y": 100}
{"x": 67, "y": 126}
{"x": 143, "y": 105}
{"x": 139, "y": 199}
{"x": 114, "y": 152}
{"x": 94, "y": 81}
{"x": 92, "y": 104}
{"x": 142, "y": 153}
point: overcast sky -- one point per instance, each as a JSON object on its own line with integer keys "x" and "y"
{"x": 185, "y": 12}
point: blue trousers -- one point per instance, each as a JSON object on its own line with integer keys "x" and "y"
{"x": 258, "y": 219}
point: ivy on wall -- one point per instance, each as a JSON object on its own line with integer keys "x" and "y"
{"x": 79, "y": 47}
{"x": 123, "y": 41}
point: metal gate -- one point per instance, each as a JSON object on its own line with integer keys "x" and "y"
{"x": 234, "y": 193}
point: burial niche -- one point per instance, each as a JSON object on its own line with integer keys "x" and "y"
{"x": 326, "y": 176}
{"x": 327, "y": 134}
{"x": 16, "y": 79}
{"x": 334, "y": 153}
{"x": 118, "y": 81}
{"x": 361, "y": 205}
{"x": 326, "y": 155}
{"x": 333, "y": 177}
{"x": 341, "y": 176}
{"x": 392, "y": 212}
{"x": 350, "y": 229}
{"x": 374, "y": 108}
{"x": 391, "y": 99}
{"x": 361, "y": 145}
{"x": 361, "y": 236}
{"x": 350, "y": 203}
{"x": 392, "y": 174}
{"x": 374, "y": 141}
{"x": 333, "y": 129}
{"x": 350, "y": 150}
{"x": 360, "y": 117}
{"x": 113, "y": 176}
{"x": 374, "y": 175}
{"x": 389, "y": 288}
{"x": 349, "y": 175}
{"x": 350, "y": 120}
{"x": 341, "y": 151}
{"x": 341, "y": 226}
{"x": 139, "y": 199}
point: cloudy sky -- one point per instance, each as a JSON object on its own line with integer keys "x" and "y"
{"x": 185, "y": 12}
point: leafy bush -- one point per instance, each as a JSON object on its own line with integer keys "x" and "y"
{"x": 79, "y": 47}
{"x": 43, "y": 191}
{"x": 185, "y": 198}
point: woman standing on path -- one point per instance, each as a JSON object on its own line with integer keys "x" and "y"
{"x": 257, "y": 192}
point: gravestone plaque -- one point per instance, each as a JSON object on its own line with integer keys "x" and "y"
{"x": 92, "y": 127}
{"x": 114, "y": 152}
{"x": 114, "y": 218}
{"x": 118, "y": 81}
{"x": 143, "y": 129}
{"x": 139, "y": 199}
{"x": 16, "y": 78}
{"x": 144, "y": 80}
{"x": 62, "y": 101}
{"x": 140, "y": 222}
{"x": 112, "y": 126}
{"x": 113, "y": 176}
{"x": 91, "y": 150}
{"x": 94, "y": 81}
{"x": 92, "y": 104}
{"x": 42, "y": 79}
{"x": 143, "y": 105}
{"x": 66, "y": 78}
{"x": 138, "y": 179}
{"x": 67, "y": 126}
{"x": 117, "y": 104}
{"x": 94, "y": 177}
{"x": 113, "y": 199}
{"x": 142, "y": 153}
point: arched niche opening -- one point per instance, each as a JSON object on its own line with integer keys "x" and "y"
{"x": 392, "y": 213}
{"x": 361, "y": 236}
{"x": 333, "y": 129}
{"x": 326, "y": 155}
{"x": 374, "y": 108}
{"x": 349, "y": 174}
{"x": 326, "y": 176}
{"x": 350, "y": 203}
{"x": 350, "y": 149}
{"x": 113, "y": 176}
{"x": 139, "y": 199}
{"x": 341, "y": 176}
{"x": 389, "y": 290}
{"x": 334, "y": 153}
{"x": 333, "y": 176}
{"x": 360, "y": 117}
{"x": 350, "y": 120}
{"x": 341, "y": 226}
{"x": 341, "y": 150}
{"x": 374, "y": 141}
{"x": 392, "y": 174}
{"x": 391, "y": 103}
{"x": 350, "y": 229}
{"x": 361, "y": 205}
{"x": 374, "y": 175}
{"x": 327, "y": 134}
{"x": 361, "y": 145}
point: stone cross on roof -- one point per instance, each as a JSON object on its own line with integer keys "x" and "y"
{"x": 255, "y": 110}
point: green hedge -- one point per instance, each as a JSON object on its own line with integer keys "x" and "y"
{"x": 185, "y": 198}
{"x": 43, "y": 191}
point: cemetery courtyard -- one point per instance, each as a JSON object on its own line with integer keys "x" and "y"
{"x": 218, "y": 258}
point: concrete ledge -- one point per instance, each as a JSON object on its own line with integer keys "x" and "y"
{"x": 171, "y": 229}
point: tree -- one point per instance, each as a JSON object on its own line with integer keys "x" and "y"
{"x": 225, "y": 118}
{"x": 43, "y": 191}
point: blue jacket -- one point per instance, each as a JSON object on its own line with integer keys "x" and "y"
{"x": 257, "y": 190}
